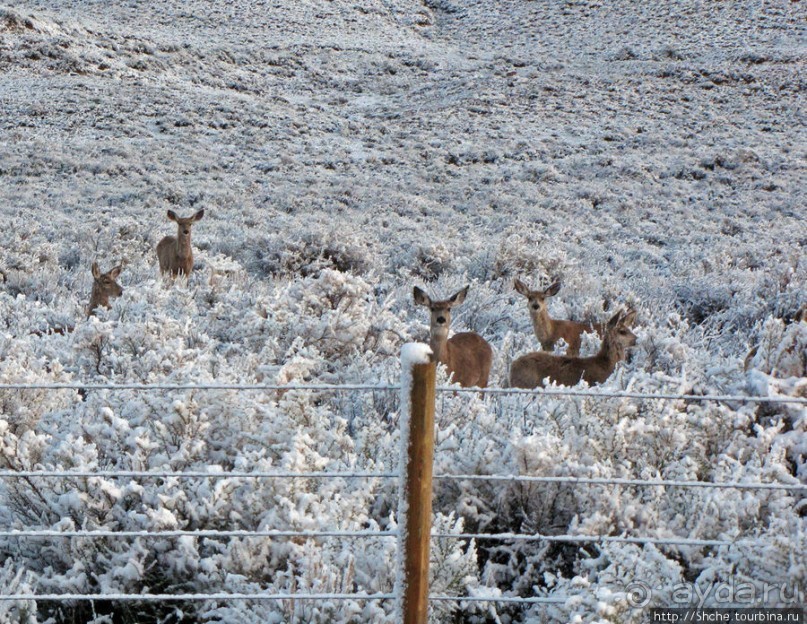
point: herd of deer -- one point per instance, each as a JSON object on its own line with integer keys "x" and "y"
{"x": 467, "y": 356}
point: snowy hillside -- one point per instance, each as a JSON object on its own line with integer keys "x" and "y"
{"x": 344, "y": 152}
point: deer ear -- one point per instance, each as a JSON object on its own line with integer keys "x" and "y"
{"x": 630, "y": 318}
{"x": 96, "y": 272}
{"x": 115, "y": 273}
{"x": 459, "y": 296}
{"x": 521, "y": 287}
{"x": 172, "y": 215}
{"x": 421, "y": 298}
{"x": 553, "y": 290}
{"x": 198, "y": 216}
{"x": 615, "y": 319}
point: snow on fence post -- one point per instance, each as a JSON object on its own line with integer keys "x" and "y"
{"x": 415, "y": 498}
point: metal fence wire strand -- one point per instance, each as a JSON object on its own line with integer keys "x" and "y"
{"x": 549, "y": 392}
{"x": 354, "y": 406}
{"x": 257, "y": 597}
{"x": 506, "y": 478}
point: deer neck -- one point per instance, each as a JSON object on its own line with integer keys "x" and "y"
{"x": 611, "y": 353}
{"x": 438, "y": 341}
{"x": 184, "y": 246}
{"x": 543, "y": 326}
{"x": 98, "y": 297}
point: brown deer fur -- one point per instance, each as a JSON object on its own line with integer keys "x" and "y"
{"x": 104, "y": 287}
{"x": 549, "y": 330}
{"x": 467, "y": 356}
{"x": 530, "y": 370}
{"x": 175, "y": 252}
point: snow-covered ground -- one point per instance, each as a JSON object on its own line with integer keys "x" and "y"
{"x": 645, "y": 154}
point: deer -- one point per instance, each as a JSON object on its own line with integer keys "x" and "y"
{"x": 175, "y": 252}
{"x": 104, "y": 287}
{"x": 549, "y": 330}
{"x": 530, "y": 370}
{"x": 467, "y": 356}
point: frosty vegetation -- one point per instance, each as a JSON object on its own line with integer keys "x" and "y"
{"x": 343, "y": 152}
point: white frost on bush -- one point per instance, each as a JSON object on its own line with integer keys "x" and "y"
{"x": 366, "y": 149}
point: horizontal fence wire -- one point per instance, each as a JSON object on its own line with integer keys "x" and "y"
{"x": 235, "y": 596}
{"x": 390, "y": 387}
{"x": 203, "y": 386}
{"x": 499, "y": 537}
{"x": 504, "y": 599}
{"x": 602, "y": 481}
{"x": 583, "y": 539}
{"x": 595, "y": 394}
{"x": 191, "y": 474}
{"x": 202, "y": 533}
{"x": 734, "y": 485}
{"x": 192, "y": 597}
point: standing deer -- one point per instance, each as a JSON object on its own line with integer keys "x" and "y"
{"x": 175, "y": 253}
{"x": 530, "y": 370}
{"x": 104, "y": 287}
{"x": 549, "y": 330}
{"x": 467, "y": 356}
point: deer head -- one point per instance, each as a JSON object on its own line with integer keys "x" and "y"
{"x": 184, "y": 226}
{"x": 440, "y": 319}
{"x": 104, "y": 287}
{"x": 536, "y": 299}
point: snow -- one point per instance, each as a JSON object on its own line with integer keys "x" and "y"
{"x": 644, "y": 154}
{"x": 413, "y": 353}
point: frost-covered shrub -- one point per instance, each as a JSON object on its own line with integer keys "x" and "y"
{"x": 648, "y": 439}
{"x": 333, "y": 185}
{"x": 530, "y": 257}
{"x": 781, "y": 350}
{"x": 122, "y": 431}
{"x": 309, "y": 254}
{"x": 336, "y": 313}
{"x": 16, "y": 580}
{"x": 225, "y": 324}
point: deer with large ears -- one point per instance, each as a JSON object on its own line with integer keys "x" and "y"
{"x": 104, "y": 287}
{"x": 549, "y": 330}
{"x": 530, "y": 370}
{"x": 175, "y": 252}
{"x": 467, "y": 356}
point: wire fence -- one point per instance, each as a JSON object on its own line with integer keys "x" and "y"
{"x": 536, "y": 392}
{"x": 265, "y": 533}
{"x": 499, "y": 537}
{"x": 508, "y": 478}
{"x": 289, "y": 596}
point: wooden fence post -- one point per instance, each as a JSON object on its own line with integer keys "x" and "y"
{"x": 418, "y": 495}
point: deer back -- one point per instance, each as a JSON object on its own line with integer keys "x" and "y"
{"x": 529, "y": 371}
{"x": 167, "y": 255}
{"x": 469, "y": 358}
{"x": 572, "y": 333}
